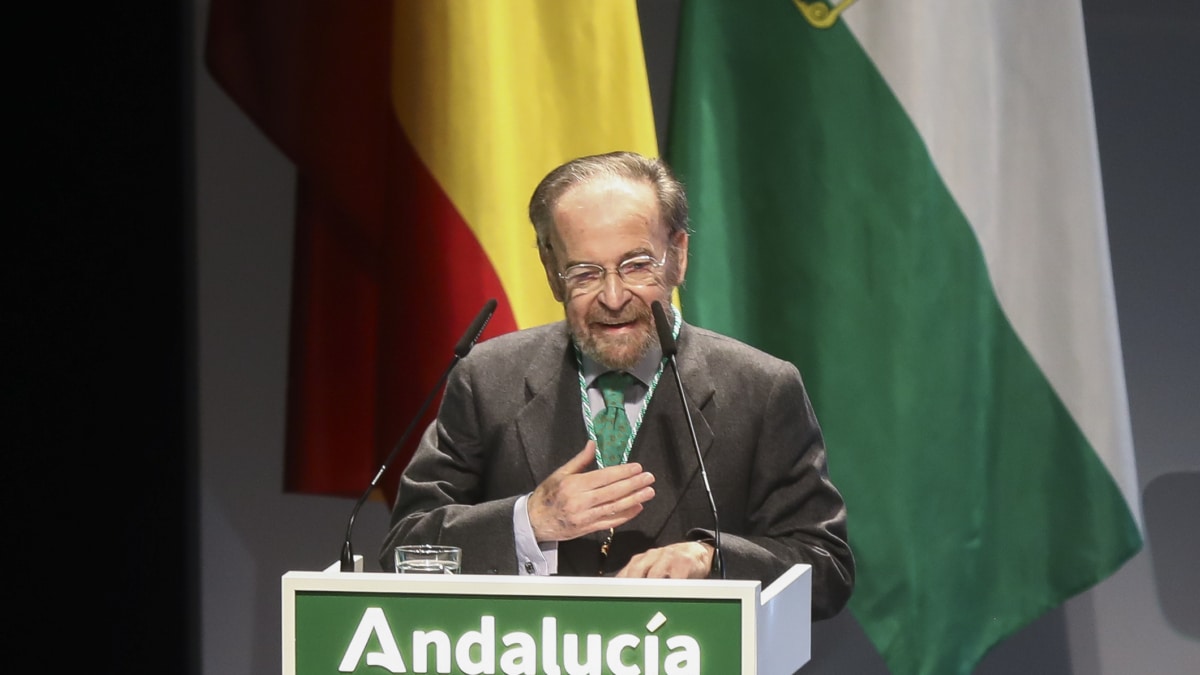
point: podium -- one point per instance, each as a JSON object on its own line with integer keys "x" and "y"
{"x": 375, "y": 623}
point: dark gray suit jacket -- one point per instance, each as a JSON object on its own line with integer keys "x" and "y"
{"x": 511, "y": 415}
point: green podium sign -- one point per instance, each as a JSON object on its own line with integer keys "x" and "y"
{"x": 376, "y": 623}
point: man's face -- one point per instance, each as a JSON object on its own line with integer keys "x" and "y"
{"x": 606, "y": 222}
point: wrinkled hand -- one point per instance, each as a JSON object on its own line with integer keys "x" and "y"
{"x": 574, "y": 501}
{"x": 685, "y": 560}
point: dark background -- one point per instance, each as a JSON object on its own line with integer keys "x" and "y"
{"x": 99, "y": 306}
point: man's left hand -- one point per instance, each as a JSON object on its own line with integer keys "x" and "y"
{"x": 685, "y": 560}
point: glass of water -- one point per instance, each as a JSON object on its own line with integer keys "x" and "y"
{"x": 428, "y": 559}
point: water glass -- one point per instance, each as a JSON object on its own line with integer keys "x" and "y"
{"x": 428, "y": 559}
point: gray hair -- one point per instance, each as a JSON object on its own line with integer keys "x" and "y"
{"x": 672, "y": 198}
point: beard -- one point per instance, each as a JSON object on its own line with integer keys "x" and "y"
{"x": 616, "y": 352}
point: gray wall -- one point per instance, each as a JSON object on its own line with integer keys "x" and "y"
{"x": 1145, "y": 74}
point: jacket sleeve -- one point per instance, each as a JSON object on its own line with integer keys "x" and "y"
{"x": 793, "y": 512}
{"x": 442, "y": 496}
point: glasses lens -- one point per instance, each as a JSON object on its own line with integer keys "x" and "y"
{"x": 639, "y": 271}
{"x": 582, "y": 277}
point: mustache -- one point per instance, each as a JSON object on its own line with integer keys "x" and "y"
{"x": 630, "y": 314}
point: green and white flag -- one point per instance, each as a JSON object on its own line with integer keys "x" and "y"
{"x": 904, "y": 199}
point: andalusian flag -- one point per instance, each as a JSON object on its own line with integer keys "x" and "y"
{"x": 419, "y": 131}
{"x": 904, "y": 199}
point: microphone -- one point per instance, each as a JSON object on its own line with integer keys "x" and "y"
{"x": 467, "y": 341}
{"x": 667, "y": 342}
{"x": 460, "y": 351}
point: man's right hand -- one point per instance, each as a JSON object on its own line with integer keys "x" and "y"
{"x": 574, "y": 501}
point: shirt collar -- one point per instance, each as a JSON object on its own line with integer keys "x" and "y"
{"x": 644, "y": 370}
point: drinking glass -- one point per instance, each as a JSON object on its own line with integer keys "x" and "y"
{"x": 428, "y": 559}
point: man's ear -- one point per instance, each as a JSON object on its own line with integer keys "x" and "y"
{"x": 679, "y": 251}
{"x": 551, "y": 267}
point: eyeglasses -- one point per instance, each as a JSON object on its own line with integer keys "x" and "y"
{"x": 640, "y": 270}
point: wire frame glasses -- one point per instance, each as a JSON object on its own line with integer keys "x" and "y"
{"x": 640, "y": 270}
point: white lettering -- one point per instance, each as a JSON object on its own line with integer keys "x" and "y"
{"x": 422, "y": 641}
{"x": 474, "y": 652}
{"x": 485, "y": 639}
{"x": 684, "y": 658}
{"x": 550, "y": 646}
{"x": 651, "y": 655}
{"x": 613, "y": 655}
{"x": 374, "y": 623}
{"x": 571, "y": 655}
{"x": 521, "y": 659}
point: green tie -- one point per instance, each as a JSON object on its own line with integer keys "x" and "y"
{"x": 612, "y": 424}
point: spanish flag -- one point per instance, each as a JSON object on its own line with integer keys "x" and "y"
{"x": 418, "y": 131}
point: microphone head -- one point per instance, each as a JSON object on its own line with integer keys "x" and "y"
{"x": 663, "y": 326}
{"x": 475, "y": 329}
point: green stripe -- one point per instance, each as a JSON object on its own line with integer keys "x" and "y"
{"x": 824, "y": 235}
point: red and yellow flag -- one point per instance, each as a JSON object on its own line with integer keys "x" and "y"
{"x": 418, "y": 131}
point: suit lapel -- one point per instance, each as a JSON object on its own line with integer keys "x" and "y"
{"x": 664, "y": 445}
{"x": 551, "y": 431}
{"x": 550, "y": 434}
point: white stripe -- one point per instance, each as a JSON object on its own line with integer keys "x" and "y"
{"x": 1000, "y": 93}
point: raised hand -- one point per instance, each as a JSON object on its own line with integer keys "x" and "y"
{"x": 575, "y": 500}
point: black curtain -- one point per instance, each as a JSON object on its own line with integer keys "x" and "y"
{"x": 99, "y": 309}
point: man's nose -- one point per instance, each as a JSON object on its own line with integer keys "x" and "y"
{"x": 614, "y": 293}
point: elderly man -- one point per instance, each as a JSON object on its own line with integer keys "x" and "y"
{"x": 556, "y": 450}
